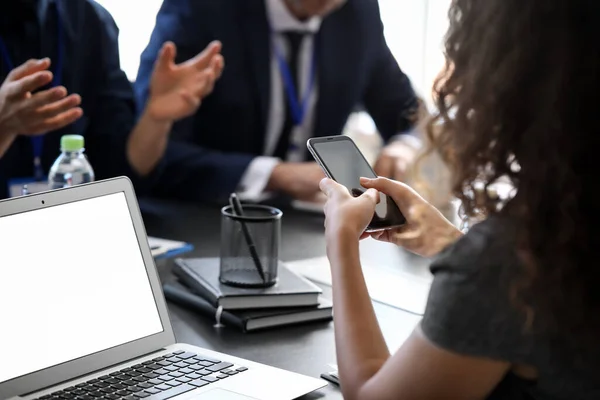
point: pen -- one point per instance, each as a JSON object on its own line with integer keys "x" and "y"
{"x": 236, "y": 208}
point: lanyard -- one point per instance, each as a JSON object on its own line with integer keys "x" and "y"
{"x": 37, "y": 142}
{"x": 298, "y": 107}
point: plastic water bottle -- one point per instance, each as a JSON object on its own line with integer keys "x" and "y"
{"x": 71, "y": 167}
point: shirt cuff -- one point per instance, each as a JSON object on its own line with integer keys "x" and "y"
{"x": 256, "y": 177}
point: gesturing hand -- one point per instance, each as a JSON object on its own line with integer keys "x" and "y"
{"x": 23, "y": 112}
{"x": 176, "y": 90}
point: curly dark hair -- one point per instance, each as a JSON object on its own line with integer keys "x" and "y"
{"x": 519, "y": 98}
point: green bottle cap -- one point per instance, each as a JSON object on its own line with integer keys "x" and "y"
{"x": 72, "y": 143}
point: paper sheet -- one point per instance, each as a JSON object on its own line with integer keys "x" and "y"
{"x": 390, "y": 286}
{"x": 309, "y": 206}
{"x": 159, "y": 246}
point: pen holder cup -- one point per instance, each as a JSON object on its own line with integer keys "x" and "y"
{"x": 249, "y": 244}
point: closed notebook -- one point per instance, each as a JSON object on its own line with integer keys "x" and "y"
{"x": 249, "y": 320}
{"x": 163, "y": 248}
{"x": 202, "y": 276}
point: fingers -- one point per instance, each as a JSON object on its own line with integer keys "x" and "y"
{"x": 46, "y": 97}
{"x": 218, "y": 64}
{"x": 203, "y": 59}
{"x": 207, "y": 88}
{"x": 380, "y": 235}
{"x": 28, "y": 68}
{"x": 209, "y": 76}
{"x": 192, "y": 99}
{"x": 58, "y": 122}
{"x": 412, "y": 240}
{"x": 384, "y": 166}
{"x": 214, "y": 73}
{"x": 29, "y": 83}
{"x": 371, "y": 195}
{"x": 400, "y": 168}
{"x": 166, "y": 56}
{"x": 59, "y": 107}
{"x": 403, "y": 195}
{"x": 403, "y": 236}
{"x": 377, "y": 235}
{"x": 331, "y": 187}
{"x": 326, "y": 186}
{"x": 207, "y": 83}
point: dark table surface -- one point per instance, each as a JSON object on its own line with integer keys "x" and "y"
{"x": 306, "y": 349}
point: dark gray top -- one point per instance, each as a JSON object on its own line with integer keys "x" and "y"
{"x": 470, "y": 312}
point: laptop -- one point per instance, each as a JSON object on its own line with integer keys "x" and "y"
{"x": 83, "y": 313}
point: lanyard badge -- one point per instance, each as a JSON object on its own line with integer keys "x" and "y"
{"x": 298, "y": 106}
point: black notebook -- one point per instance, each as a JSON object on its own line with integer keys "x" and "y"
{"x": 202, "y": 276}
{"x": 249, "y": 320}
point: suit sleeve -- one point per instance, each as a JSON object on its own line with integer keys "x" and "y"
{"x": 190, "y": 171}
{"x": 390, "y": 98}
{"x": 112, "y": 117}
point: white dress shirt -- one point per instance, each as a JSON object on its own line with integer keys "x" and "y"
{"x": 257, "y": 174}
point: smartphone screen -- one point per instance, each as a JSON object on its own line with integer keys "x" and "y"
{"x": 344, "y": 163}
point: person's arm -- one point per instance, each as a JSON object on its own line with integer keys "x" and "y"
{"x": 188, "y": 171}
{"x": 176, "y": 91}
{"x": 458, "y": 351}
{"x": 253, "y": 184}
{"x": 147, "y": 144}
{"x": 419, "y": 370}
{"x": 191, "y": 171}
{"x": 359, "y": 340}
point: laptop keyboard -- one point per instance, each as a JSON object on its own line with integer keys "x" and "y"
{"x": 159, "y": 379}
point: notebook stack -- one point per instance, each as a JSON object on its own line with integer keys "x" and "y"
{"x": 293, "y": 300}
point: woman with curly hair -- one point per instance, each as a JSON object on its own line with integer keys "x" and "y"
{"x": 514, "y": 309}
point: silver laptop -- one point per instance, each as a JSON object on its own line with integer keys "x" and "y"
{"x": 83, "y": 314}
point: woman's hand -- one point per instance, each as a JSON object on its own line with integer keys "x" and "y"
{"x": 346, "y": 216}
{"x": 426, "y": 232}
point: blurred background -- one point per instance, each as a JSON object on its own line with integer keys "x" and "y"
{"x": 414, "y": 31}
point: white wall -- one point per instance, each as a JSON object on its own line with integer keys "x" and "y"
{"x": 413, "y": 29}
{"x": 135, "y": 19}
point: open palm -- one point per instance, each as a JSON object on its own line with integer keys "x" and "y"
{"x": 176, "y": 90}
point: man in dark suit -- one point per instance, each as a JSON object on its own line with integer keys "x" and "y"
{"x": 295, "y": 69}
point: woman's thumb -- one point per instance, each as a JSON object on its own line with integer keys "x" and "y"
{"x": 402, "y": 194}
{"x": 372, "y": 195}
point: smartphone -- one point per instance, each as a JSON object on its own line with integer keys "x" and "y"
{"x": 343, "y": 162}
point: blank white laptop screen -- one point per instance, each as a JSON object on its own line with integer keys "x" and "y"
{"x": 72, "y": 283}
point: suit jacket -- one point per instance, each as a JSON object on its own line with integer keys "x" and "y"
{"x": 91, "y": 69}
{"x": 209, "y": 152}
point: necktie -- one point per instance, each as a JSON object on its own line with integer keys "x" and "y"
{"x": 294, "y": 40}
